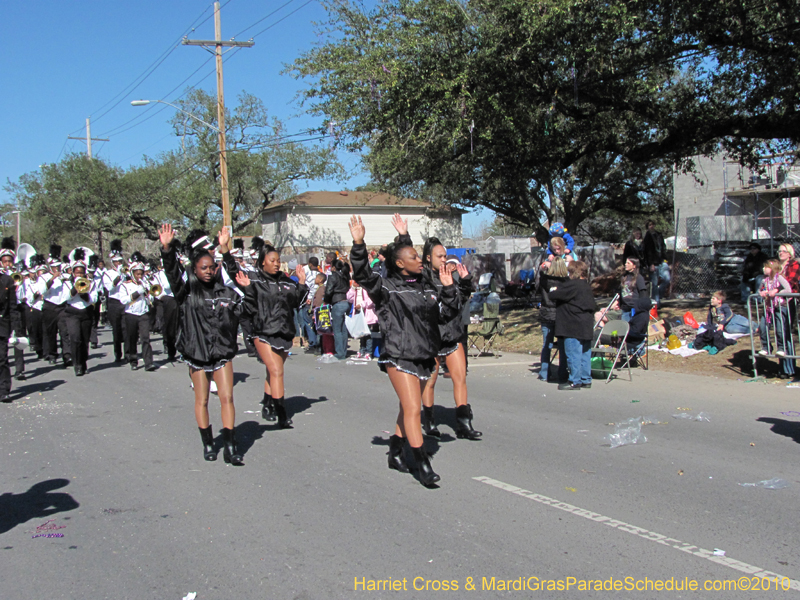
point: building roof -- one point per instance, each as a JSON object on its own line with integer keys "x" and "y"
{"x": 348, "y": 199}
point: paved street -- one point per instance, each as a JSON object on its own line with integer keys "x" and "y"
{"x": 114, "y": 459}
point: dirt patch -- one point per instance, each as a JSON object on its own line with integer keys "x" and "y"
{"x": 523, "y": 335}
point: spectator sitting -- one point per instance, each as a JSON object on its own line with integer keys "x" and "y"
{"x": 639, "y": 323}
{"x": 721, "y": 318}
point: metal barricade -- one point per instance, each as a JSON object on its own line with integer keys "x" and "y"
{"x": 783, "y": 330}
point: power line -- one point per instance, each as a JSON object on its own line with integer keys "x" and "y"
{"x": 282, "y": 18}
{"x": 263, "y": 18}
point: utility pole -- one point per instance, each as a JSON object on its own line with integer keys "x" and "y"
{"x": 223, "y": 157}
{"x": 89, "y": 138}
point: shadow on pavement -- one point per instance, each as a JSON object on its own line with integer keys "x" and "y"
{"x": 38, "y": 502}
{"x": 247, "y": 434}
{"x": 27, "y": 390}
{"x": 790, "y": 429}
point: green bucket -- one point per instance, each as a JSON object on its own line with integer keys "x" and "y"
{"x": 601, "y": 367}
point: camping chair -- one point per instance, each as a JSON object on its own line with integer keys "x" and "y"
{"x": 639, "y": 351}
{"x": 622, "y": 328}
{"x": 483, "y": 338}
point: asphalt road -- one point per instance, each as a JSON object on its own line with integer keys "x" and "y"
{"x": 114, "y": 460}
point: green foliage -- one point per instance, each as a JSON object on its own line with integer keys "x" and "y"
{"x": 555, "y": 107}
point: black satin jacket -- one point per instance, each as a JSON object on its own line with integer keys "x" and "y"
{"x": 270, "y": 302}
{"x": 451, "y": 330}
{"x": 409, "y": 312}
{"x": 206, "y": 334}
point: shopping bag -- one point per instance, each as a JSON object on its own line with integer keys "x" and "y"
{"x": 356, "y": 324}
{"x": 689, "y": 320}
{"x": 322, "y": 319}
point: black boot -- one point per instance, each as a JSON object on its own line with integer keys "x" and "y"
{"x": 426, "y": 475}
{"x": 208, "y": 443}
{"x": 429, "y": 423}
{"x": 464, "y": 423}
{"x": 280, "y": 410}
{"x": 396, "y": 459}
{"x": 229, "y": 453}
{"x": 268, "y": 408}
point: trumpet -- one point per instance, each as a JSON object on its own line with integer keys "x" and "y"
{"x": 82, "y": 285}
{"x": 156, "y": 289}
{"x": 17, "y": 277}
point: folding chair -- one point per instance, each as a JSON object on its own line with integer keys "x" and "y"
{"x": 622, "y": 328}
{"x": 483, "y": 339}
{"x": 639, "y": 351}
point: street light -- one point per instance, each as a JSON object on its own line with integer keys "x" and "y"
{"x": 223, "y": 159}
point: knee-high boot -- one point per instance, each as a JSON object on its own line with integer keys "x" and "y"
{"x": 230, "y": 453}
{"x": 464, "y": 423}
{"x": 426, "y": 475}
{"x": 208, "y": 443}
{"x": 396, "y": 459}
{"x": 280, "y": 410}
{"x": 429, "y": 422}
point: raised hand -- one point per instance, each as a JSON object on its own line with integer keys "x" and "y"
{"x": 445, "y": 276}
{"x": 224, "y": 240}
{"x": 301, "y": 274}
{"x": 165, "y": 235}
{"x": 242, "y": 279}
{"x": 462, "y": 271}
{"x": 400, "y": 224}
{"x": 357, "y": 229}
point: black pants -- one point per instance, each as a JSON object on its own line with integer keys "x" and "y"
{"x": 138, "y": 327}
{"x": 169, "y": 325}
{"x": 55, "y": 325}
{"x": 95, "y": 312}
{"x": 34, "y": 323}
{"x": 5, "y": 372}
{"x": 79, "y": 324}
{"x": 115, "y": 312}
{"x": 18, "y": 325}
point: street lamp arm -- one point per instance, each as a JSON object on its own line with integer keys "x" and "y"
{"x": 178, "y": 108}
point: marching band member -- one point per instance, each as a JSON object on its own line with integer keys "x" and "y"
{"x": 39, "y": 280}
{"x": 55, "y": 297}
{"x": 79, "y": 311}
{"x": 7, "y": 259}
{"x": 169, "y": 312}
{"x": 113, "y": 278}
{"x": 271, "y": 299}
{"x": 208, "y": 338}
{"x": 134, "y": 296}
{"x": 409, "y": 311}
{"x": 8, "y": 303}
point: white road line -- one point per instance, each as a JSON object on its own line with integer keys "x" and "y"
{"x": 498, "y": 364}
{"x": 651, "y": 536}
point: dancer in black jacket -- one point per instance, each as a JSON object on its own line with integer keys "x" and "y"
{"x": 409, "y": 311}
{"x": 271, "y": 299}
{"x": 206, "y": 336}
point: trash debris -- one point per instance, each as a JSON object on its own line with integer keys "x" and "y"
{"x": 583, "y": 431}
{"x": 752, "y": 443}
{"x": 190, "y": 596}
{"x": 680, "y": 472}
{"x": 718, "y": 552}
{"x": 327, "y": 358}
{"x": 570, "y": 489}
{"x": 701, "y": 416}
{"x": 768, "y": 484}
{"x": 588, "y": 472}
{"x": 356, "y": 362}
{"x": 252, "y": 412}
{"x": 791, "y": 413}
{"x": 635, "y": 401}
{"x": 625, "y": 433}
{"x": 682, "y": 408}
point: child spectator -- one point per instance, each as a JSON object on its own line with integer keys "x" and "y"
{"x": 721, "y": 318}
{"x": 326, "y": 339}
{"x": 558, "y": 230}
{"x": 575, "y": 308}
{"x": 363, "y": 303}
{"x": 776, "y": 313}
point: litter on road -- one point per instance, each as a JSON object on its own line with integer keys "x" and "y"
{"x": 769, "y": 484}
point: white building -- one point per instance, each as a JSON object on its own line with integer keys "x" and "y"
{"x": 319, "y": 220}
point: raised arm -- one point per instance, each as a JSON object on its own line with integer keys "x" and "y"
{"x": 359, "y": 259}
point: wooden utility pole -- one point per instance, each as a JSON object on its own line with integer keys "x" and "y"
{"x": 223, "y": 157}
{"x": 89, "y": 138}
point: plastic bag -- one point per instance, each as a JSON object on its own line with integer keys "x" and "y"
{"x": 689, "y": 320}
{"x": 327, "y": 358}
{"x": 626, "y": 433}
{"x": 322, "y": 319}
{"x": 356, "y": 324}
{"x": 701, "y": 416}
{"x": 769, "y": 484}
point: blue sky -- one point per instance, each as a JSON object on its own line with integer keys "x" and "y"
{"x": 66, "y": 61}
